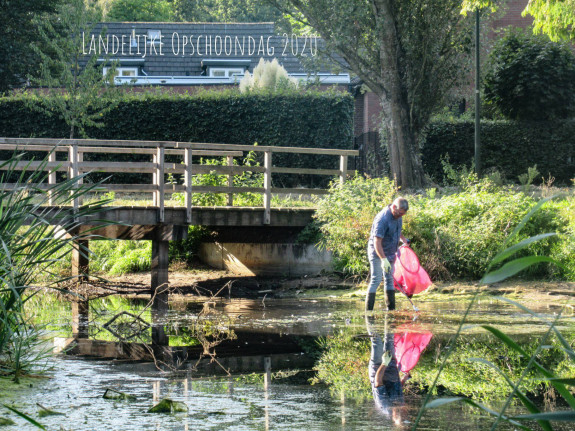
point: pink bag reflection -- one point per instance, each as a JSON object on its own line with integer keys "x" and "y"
{"x": 409, "y": 276}
{"x": 408, "y": 348}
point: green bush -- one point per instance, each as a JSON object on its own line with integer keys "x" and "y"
{"x": 455, "y": 235}
{"x": 509, "y": 147}
{"x": 345, "y": 216}
{"x": 530, "y": 77}
{"x": 290, "y": 119}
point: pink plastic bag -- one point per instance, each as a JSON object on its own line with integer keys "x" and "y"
{"x": 409, "y": 346}
{"x": 409, "y": 276}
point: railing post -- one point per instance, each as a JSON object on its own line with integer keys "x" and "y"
{"x": 51, "y": 176}
{"x": 160, "y": 186}
{"x": 188, "y": 184}
{"x": 73, "y": 171}
{"x": 267, "y": 186}
{"x": 342, "y": 169}
{"x": 230, "y": 181}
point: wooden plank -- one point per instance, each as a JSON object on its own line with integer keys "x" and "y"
{"x": 302, "y": 171}
{"x": 173, "y": 144}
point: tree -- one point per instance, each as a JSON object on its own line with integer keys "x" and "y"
{"x": 226, "y": 11}
{"x": 555, "y": 18}
{"x": 77, "y": 91}
{"x": 407, "y": 52}
{"x": 531, "y": 77}
{"x": 141, "y": 10}
{"x": 16, "y": 33}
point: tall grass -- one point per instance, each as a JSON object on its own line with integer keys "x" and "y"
{"x": 32, "y": 242}
{"x": 501, "y": 267}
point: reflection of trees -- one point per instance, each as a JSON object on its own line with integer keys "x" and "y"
{"x": 345, "y": 357}
{"x": 464, "y": 376}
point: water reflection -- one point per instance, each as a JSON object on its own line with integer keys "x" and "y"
{"x": 393, "y": 355}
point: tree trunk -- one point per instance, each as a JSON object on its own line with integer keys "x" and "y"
{"x": 401, "y": 139}
{"x": 402, "y": 145}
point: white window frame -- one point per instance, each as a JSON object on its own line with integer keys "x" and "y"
{"x": 228, "y": 71}
{"x": 119, "y": 71}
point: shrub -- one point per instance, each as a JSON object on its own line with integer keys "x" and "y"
{"x": 455, "y": 235}
{"x": 268, "y": 76}
{"x": 510, "y": 147}
{"x": 346, "y": 215}
{"x": 531, "y": 78}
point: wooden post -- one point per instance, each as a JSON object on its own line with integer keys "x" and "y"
{"x": 267, "y": 186}
{"x": 159, "y": 286}
{"x": 188, "y": 184}
{"x": 80, "y": 305}
{"x": 51, "y": 176}
{"x": 160, "y": 182}
{"x": 342, "y": 169}
{"x": 73, "y": 169}
{"x": 230, "y": 181}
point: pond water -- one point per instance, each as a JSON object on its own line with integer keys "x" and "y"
{"x": 287, "y": 332}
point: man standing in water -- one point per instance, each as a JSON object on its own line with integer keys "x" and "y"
{"x": 381, "y": 250}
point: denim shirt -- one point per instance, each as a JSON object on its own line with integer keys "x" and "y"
{"x": 387, "y": 227}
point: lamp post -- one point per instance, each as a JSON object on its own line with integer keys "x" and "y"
{"x": 477, "y": 98}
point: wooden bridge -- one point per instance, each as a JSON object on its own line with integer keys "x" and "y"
{"x": 159, "y": 163}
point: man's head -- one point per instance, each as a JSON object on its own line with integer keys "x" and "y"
{"x": 399, "y": 207}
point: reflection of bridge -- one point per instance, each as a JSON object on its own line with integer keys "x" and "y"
{"x": 159, "y": 168}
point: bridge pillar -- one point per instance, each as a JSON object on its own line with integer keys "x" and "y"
{"x": 80, "y": 304}
{"x": 159, "y": 286}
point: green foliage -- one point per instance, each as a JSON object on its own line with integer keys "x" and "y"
{"x": 141, "y": 11}
{"x": 120, "y": 257}
{"x": 343, "y": 365}
{"x": 346, "y": 215}
{"x": 413, "y": 80}
{"x": 534, "y": 366}
{"x": 268, "y": 76}
{"x": 527, "y": 179}
{"x": 555, "y": 18}
{"x": 78, "y": 95}
{"x": 455, "y": 235}
{"x": 18, "y": 30}
{"x": 509, "y": 147}
{"x": 531, "y": 78}
{"x": 31, "y": 245}
{"x": 226, "y": 11}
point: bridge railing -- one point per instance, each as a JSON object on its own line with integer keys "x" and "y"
{"x": 74, "y": 165}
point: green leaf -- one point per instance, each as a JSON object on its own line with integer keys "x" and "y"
{"x": 525, "y": 219}
{"x": 519, "y": 246}
{"x": 25, "y": 416}
{"x": 563, "y": 416}
{"x": 513, "y": 267}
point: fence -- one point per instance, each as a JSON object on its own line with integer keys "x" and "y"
{"x": 74, "y": 165}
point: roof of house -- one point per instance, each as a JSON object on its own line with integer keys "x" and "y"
{"x": 181, "y": 53}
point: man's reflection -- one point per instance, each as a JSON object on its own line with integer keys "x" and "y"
{"x": 387, "y": 373}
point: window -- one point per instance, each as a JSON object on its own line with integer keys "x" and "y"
{"x": 154, "y": 36}
{"x": 225, "y": 72}
{"x": 122, "y": 71}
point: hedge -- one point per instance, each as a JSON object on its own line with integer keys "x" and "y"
{"x": 508, "y": 146}
{"x": 310, "y": 119}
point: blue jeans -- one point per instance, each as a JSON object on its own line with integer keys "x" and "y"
{"x": 377, "y": 275}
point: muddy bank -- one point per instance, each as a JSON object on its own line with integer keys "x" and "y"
{"x": 206, "y": 282}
